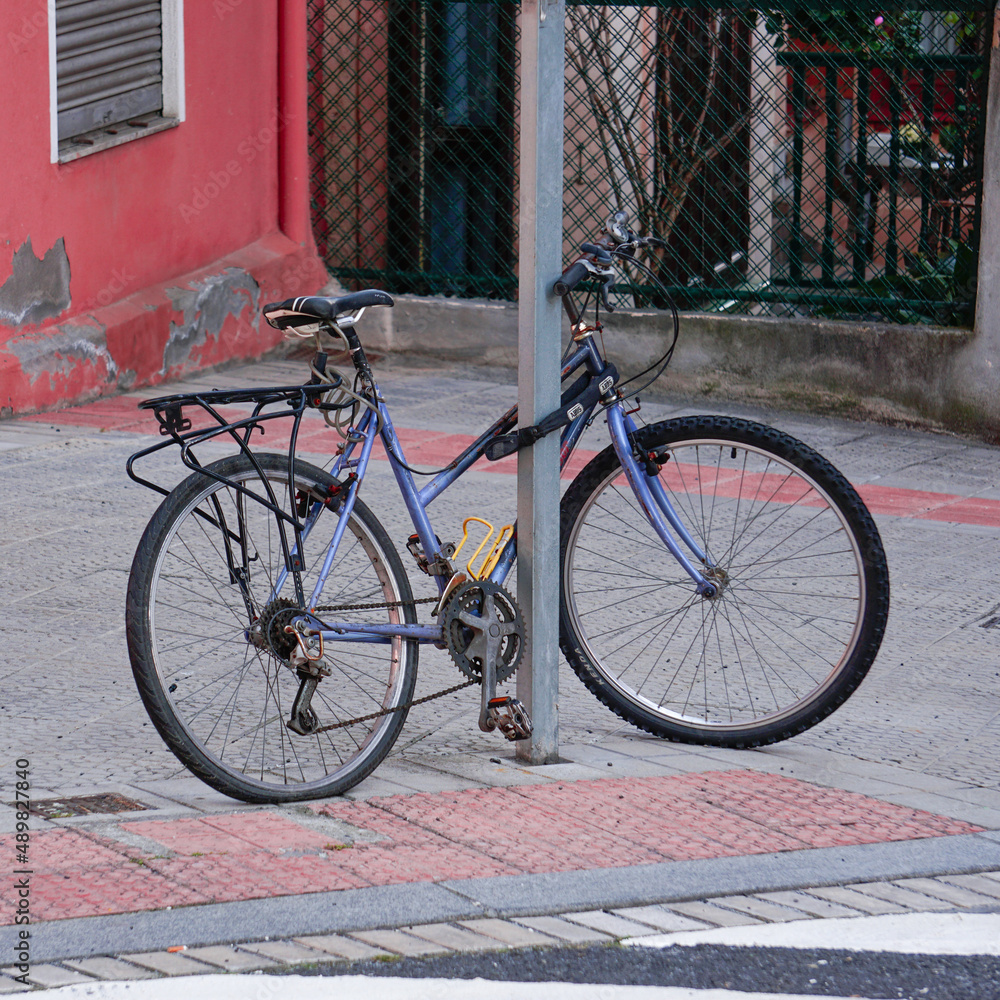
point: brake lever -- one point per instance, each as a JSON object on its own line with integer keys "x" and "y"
{"x": 606, "y": 287}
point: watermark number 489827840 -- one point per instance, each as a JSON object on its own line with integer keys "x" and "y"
{"x": 21, "y": 872}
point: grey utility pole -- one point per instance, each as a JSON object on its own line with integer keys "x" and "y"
{"x": 539, "y": 324}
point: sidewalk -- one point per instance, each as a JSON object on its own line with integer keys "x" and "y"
{"x": 889, "y": 806}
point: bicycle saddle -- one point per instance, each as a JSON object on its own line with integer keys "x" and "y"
{"x": 308, "y": 309}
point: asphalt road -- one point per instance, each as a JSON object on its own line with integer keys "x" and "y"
{"x": 764, "y": 970}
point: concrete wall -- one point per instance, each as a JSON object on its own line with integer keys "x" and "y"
{"x": 906, "y": 372}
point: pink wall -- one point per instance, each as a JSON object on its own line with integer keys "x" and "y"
{"x": 162, "y": 212}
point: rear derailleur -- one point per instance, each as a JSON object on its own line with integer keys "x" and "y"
{"x": 275, "y": 632}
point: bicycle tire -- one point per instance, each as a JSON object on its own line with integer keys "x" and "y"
{"x": 220, "y": 702}
{"x": 800, "y": 616}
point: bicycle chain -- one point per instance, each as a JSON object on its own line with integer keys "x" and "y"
{"x": 375, "y": 607}
{"x": 390, "y": 711}
{"x": 398, "y": 708}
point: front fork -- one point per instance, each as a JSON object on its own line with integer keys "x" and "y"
{"x": 655, "y": 503}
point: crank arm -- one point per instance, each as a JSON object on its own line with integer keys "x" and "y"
{"x": 488, "y": 689}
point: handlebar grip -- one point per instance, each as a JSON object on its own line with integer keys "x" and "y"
{"x": 574, "y": 274}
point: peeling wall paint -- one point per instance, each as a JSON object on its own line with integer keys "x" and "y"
{"x": 57, "y": 355}
{"x": 38, "y": 288}
{"x": 205, "y": 306}
{"x": 210, "y": 316}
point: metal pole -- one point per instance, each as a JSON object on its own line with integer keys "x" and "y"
{"x": 539, "y": 326}
{"x": 767, "y": 110}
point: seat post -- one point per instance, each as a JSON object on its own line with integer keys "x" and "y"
{"x": 357, "y": 353}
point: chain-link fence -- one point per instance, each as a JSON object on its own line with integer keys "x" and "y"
{"x": 797, "y": 159}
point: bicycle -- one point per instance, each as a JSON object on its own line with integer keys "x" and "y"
{"x": 722, "y": 583}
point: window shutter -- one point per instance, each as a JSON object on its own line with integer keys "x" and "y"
{"x": 108, "y": 62}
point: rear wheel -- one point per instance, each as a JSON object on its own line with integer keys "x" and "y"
{"x": 210, "y": 657}
{"x": 803, "y": 598}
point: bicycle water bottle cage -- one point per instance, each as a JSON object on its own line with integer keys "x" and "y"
{"x": 583, "y": 395}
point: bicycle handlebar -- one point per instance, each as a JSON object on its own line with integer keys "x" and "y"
{"x": 596, "y": 262}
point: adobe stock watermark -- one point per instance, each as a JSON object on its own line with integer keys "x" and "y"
{"x": 32, "y": 26}
{"x": 223, "y": 8}
{"x": 306, "y": 277}
{"x": 246, "y": 152}
{"x": 121, "y": 280}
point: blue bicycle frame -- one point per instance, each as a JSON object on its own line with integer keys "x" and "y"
{"x": 376, "y": 422}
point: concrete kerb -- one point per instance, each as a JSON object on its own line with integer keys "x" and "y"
{"x": 886, "y": 370}
{"x": 505, "y": 897}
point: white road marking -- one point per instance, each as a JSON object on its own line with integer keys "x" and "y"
{"x": 262, "y": 987}
{"x": 906, "y": 933}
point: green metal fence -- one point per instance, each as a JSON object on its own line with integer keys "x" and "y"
{"x": 797, "y": 159}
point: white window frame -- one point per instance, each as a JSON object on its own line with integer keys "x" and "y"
{"x": 174, "y": 107}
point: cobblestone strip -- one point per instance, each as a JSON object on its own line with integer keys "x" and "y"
{"x": 585, "y": 927}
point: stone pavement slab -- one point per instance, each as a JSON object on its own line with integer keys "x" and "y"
{"x": 229, "y": 958}
{"x": 109, "y": 968}
{"x": 54, "y": 975}
{"x": 809, "y": 904}
{"x": 566, "y": 931}
{"x": 340, "y": 946}
{"x": 507, "y": 932}
{"x": 612, "y": 924}
{"x": 853, "y": 900}
{"x": 398, "y": 942}
{"x": 659, "y": 917}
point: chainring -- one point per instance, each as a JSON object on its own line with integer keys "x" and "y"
{"x": 466, "y": 641}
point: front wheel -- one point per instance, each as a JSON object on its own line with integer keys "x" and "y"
{"x": 803, "y": 586}
{"x": 208, "y": 602}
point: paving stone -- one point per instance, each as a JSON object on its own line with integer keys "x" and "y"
{"x": 904, "y": 897}
{"x": 227, "y": 957}
{"x": 109, "y": 968}
{"x": 855, "y": 900}
{"x": 660, "y": 918}
{"x": 285, "y": 952}
{"x": 809, "y": 904}
{"x": 712, "y": 914}
{"x": 761, "y": 909}
{"x": 609, "y": 923}
{"x": 170, "y": 963}
{"x": 342, "y": 947}
{"x": 563, "y": 930}
{"x": 976, "y": 883}
{"x": 56, "y": 975}
{"x": 400, "y": 943}
{"x": 455, "y": 938}
{"x": 954, "y": 894}
{"x": 514, "y": 935}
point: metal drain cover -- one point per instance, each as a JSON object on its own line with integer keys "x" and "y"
{"x": 82, "y": 805}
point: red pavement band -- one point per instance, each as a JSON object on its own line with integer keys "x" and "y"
{"x": 431, "y": 837}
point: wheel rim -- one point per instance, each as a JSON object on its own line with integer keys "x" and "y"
{"x": 231, "y": 698}
{"x": 789, "y": 614}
